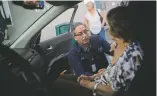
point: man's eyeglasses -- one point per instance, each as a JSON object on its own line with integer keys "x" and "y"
{"x": 86, "y": 32}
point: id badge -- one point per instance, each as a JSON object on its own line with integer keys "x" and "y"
{"x": 93, "y": 68}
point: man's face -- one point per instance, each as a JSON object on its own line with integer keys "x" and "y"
{"x": 81, "y": 35}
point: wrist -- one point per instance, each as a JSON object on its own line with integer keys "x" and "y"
{"x": 95, "y": 87}
{"x": 91, "y": 85}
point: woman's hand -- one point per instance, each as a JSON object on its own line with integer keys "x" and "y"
{"x": 86, "y": 77}
{"x": 102, "y": 25}
{"x": 87, "y": 84}
{"x": 113, "y": 46}
{"x": 82, "y": 77}
{"x": 84, "y": 81}
{"x": 90, "y": 78}
{"x": 100, "y": 72}
{"x": 93, "y": 76}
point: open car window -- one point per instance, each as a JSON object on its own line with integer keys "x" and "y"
{"x": 58, "y": 26}
{"x": 22, "y": 19}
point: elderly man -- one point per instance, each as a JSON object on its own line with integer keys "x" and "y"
{"x": 88, "y": 54}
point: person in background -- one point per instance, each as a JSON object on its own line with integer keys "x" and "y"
{"x": 95, "y": 20}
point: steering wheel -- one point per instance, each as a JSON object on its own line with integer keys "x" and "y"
{"x": 16, "y": 60}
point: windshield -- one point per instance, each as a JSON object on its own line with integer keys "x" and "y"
{"x": 20, "y": 20}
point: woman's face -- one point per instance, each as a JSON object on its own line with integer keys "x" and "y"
{"x": 117, "y": 40}
{"x": 90, "y": 6}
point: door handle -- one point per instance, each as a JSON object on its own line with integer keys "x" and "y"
{"x": 49, "y": 48}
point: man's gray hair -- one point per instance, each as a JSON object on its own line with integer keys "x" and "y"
{"x": 75, "y": 26}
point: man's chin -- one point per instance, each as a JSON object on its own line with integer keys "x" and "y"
{"x": 86, "y": 42}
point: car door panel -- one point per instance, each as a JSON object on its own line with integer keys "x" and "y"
{"x": 55, "y": 46}
{"x": 58, "y": 45}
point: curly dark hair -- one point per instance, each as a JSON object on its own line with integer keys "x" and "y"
{"x": 120, "y": 23}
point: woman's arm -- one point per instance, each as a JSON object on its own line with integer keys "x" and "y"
{"x": 104, "y": 19}
{"x": 86, "y": 22}
{"x": 84, "y": 76}
{"x": 101, "y": 89}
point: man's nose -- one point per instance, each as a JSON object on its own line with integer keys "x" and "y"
{"x": 84, "y": 35}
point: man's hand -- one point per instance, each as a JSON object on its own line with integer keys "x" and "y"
{"x": 82, "y": 77}
{"x": 101, "y": 71}
{"x": 86, "y": 77}
{"x": 87, "y": 84}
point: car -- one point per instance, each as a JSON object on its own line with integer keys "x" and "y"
{"x": 34, "y": 55}
{"x": 48, "y": 58}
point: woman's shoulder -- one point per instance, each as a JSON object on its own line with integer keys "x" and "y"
{"x": 134, "y": 50}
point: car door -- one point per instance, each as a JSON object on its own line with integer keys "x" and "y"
{"x": 53, "y": 44}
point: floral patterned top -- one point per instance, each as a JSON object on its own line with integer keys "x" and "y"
{"x": 121, "y": 73}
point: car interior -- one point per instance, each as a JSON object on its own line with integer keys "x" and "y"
{"x": 36, "y": 53}
{"x": 29, "y": 65}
